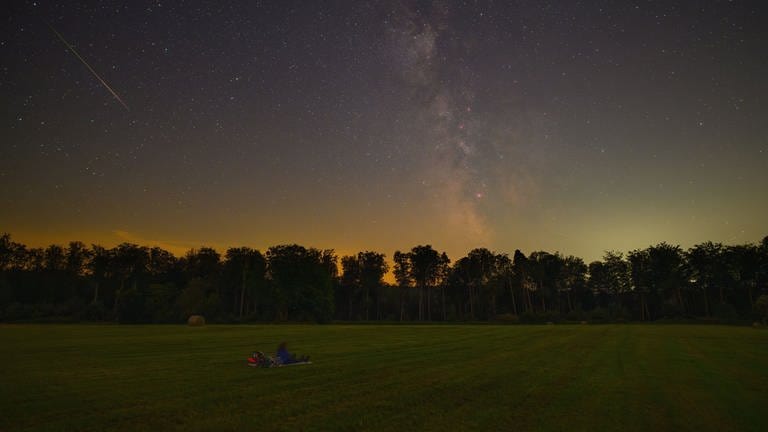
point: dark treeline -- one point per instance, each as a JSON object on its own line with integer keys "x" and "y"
{"x": 138, "y": 284}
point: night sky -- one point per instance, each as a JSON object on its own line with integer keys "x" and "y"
{"x": 571, "y": 126}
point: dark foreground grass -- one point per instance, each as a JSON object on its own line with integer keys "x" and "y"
{"x": 611, "y": 377}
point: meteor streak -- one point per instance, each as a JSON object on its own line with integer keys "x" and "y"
{"x": 104, "y": 83}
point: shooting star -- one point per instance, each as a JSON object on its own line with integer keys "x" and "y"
{"x": 104, "y": 83}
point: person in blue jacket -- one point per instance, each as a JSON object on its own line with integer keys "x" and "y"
{"x": 286, "y": 357}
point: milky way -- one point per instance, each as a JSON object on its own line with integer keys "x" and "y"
{"x": 569, "y": 126}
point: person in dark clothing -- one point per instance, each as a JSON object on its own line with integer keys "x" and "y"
{"x": 286, "y": 357}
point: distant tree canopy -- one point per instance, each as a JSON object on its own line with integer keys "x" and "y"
{"x": 138, "y": 284}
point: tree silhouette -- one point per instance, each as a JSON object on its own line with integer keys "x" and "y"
{"x": 372, "y": 270}
{"x": 245, "y": 271}
{"x": 478, "y": 270}
{"x": 402, "y": 270}
{"x": 707, "y": 271}
{"x": 573, "y": 280}
{"x": 424, "y": 270}
{"x": 99, "y": 267}
{"x": 744, "y": 265}
{"x": 522, "y": 275}
{"x": 302, "y": 280}
{"x": 350, "y": 287}
{"x": 133, "y": 283}
{"x": 640, "y": 277}
{"x": 667, "y": 275}
{"x": 617, "y": 275}
{"x": 506, "y": 275}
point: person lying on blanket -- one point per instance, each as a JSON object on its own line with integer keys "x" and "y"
{"x": 285, "y": 357}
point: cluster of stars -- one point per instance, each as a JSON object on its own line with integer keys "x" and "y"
{"x": 482, "y": 118}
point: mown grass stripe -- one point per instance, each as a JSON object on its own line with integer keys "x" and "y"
{"x": 611, "y": 377}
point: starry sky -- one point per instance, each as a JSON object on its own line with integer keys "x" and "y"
{"x": 571, "y": 126}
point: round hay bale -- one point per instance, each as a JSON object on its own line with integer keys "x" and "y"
{"x": 196, "y": 321}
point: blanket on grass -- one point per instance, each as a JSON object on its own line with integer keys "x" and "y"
{"x": 260, "y": 360}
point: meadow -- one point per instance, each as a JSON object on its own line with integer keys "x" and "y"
{"x": 384, "y": 377}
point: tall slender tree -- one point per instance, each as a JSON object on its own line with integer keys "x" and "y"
{"x": 424, "y": 262}
{"x": 402, "y": 270}
{"x": 667, "y": 273}
{"x": 350, "y": 283}
{"x": 707, "y": 271}
{"x": 373, "y": 267}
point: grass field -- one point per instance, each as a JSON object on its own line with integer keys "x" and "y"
{"x": 570, "y": 377}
